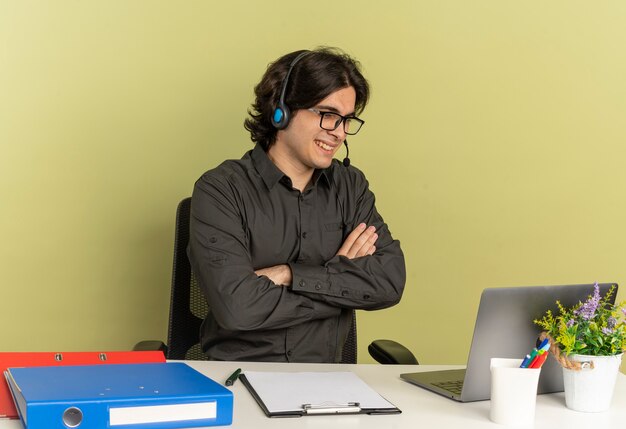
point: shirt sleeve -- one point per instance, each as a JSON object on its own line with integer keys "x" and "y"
{"x": 369, "y": 282}
{"x": 220, "y": 258}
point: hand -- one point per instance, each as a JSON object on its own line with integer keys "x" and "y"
{"x": 279, "y": 274}
{"x": 360, "y": 242}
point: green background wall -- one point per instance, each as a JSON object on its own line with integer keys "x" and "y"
{"x": 495, "y": 144}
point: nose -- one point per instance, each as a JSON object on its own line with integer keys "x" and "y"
{"x": 339, "y": 133}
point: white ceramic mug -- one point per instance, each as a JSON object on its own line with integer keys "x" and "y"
{"x": 513, "y": 392}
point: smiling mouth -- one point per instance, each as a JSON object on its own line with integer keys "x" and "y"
{"x": 324, "y": 146}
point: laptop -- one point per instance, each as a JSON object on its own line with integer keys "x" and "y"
{"x": 505, "y": 329}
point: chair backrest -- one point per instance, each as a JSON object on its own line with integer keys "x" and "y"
{"x": 188, "y": 306}
{"x": 349, "y": 348}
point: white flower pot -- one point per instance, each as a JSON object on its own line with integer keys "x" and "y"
{"x": 591, "y": 390}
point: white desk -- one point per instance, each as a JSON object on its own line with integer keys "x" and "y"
{"x": 420, "y": 408}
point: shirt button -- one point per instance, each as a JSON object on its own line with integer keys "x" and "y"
{"x": 288, "y": 352}
{"x": 318, "y": 286}
{"x": 345, "y": 293}
{"x": 301, "y": 197}
{"x": 213, "y": 240}
{"x": 302, "y": 283}
{"x": 304, "y": 235}
{"x": 366, "y": 296}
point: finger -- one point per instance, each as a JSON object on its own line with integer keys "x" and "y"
{"x": 367, "y": 245}
{"x": 350, "y": 239}
{"x": 363, "y": 243}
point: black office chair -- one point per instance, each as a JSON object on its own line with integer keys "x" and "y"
{"x": 188, "y": 307}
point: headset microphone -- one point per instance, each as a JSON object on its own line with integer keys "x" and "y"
{"x": 346, "y": 160}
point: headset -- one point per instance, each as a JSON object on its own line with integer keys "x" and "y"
{"x": 282, "y": 115}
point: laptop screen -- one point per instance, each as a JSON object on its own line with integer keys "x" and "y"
{"x": 504, "y": 329}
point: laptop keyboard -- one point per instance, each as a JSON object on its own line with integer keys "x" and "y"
{"x": 454, "y": 386}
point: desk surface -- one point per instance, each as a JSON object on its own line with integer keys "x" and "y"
{"x": 420, "y": 408}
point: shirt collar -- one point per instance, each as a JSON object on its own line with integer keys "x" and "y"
{"x": 271, "y": 174}
{"x": 325, "y": 174}
{"x": 265, "y": 167}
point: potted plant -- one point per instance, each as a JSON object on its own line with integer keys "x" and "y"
{"x": 588, "y": 340}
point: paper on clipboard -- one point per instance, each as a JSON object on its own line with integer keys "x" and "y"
{"x": 292, "y": 393}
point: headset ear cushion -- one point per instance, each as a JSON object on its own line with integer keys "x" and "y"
{"x": 277, "y": 117}
{"x": 280, "y": 118}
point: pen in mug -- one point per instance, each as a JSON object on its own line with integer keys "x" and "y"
{"x": 530, "y": 359}
{"x": 533, "y": 354}
{"x": 543, "y": 350}
{"x": 539, "y": 361}
{"x": 533, "y": 363}
{"x": 525, "y": 362}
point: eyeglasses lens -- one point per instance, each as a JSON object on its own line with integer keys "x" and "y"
{"x": 330, "y": 121}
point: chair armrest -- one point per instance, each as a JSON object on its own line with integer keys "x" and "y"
{"x": 150, "y": 345}
{"x": 391, "y": 353}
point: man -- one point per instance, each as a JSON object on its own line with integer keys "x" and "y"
{"x": 287, "y": 241}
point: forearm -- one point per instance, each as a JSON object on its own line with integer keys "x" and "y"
{"x": 280, "y": 275}
{"x": 369, "y": 282}
{"x": 240, "y": 299}
{"x": 368, "y": 270}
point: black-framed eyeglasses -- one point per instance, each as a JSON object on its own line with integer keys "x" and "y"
{"x": 329, "y": 121}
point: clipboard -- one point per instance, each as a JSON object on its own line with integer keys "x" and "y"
{"x": 297, "y": 394}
